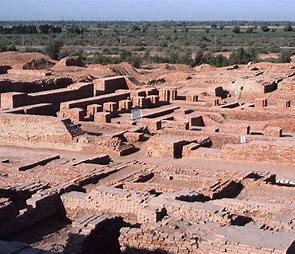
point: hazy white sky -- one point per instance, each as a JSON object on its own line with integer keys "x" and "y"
{"x": 147, "y": 9}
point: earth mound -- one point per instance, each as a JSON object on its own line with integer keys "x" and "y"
{"x": 124, "y": 69}
{"x": 70, "y": 61}
{"x": 26, "y": 61}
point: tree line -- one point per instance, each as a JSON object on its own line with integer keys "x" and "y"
{"x": 41, "y": 29}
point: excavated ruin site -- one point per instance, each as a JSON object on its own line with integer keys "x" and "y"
{"x": 208, "y": 165}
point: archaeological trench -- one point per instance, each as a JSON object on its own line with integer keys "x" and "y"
{"x": 206, "y": 165}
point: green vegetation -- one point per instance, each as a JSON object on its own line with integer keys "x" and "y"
{"x": 237, "y": 30}
{"x": 265, "y": 29}
{"x": 285, "y": 56}
{"x": 53, "y": 49}
{"x": 243, "y": 56}
{"x": 191, "y": 43}
{"x": 5, "y": 46}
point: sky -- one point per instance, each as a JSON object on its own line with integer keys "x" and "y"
{"x": 194, "y": 10}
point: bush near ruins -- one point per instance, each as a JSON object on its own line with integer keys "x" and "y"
{"x": 243, "y": 56}
{"x": 237, "y": 30}
{"x": 4, "y": 46}
{"x": 220, "y": 61}
{"x": 285, "y": 56}
{"x": 53, "y": 49}
{"x": 288, "y": 28}
{"x": 265, "y": 29}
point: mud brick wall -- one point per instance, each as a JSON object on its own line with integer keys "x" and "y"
{"x": 134, "y": 240}
{"x": 273, "y": 131}
{"x": 251, "y": 114}
{"x": 75, "y": 114}
{"x": 39, "y": 131}
{"x": 181, "y": 176}
{"x": 218, "y": 139}
{"x": 83, "y": 103}
{"x": 242, "y": 129}
{"x": 125, "y": 105}
{"x": 188, "y": 149}
{"x": 75, "y": 91}
{"x": 157, "y": 148}
{"x": 265, "y": 214}
{"x": 223, "y": 245}
{"x": 8, "y": 210}
{"x": 144, "y": 240}
{"x": 152, "y": 125}
{"x": 40, "y": 206}
{"x": 260, "y": 151}
{"x": 196, "y": 211}
{"x": 110, "y": 85}
{"x": 104, "y": 144}
{"x": 254, "y": 115}
{"x": 128, "y": 204}
{"x": 94, "y": 233}
{"x": 163, "y": 147}
{"x": 286, "y": 124}
{"x": 257, "y": 210}
{"x": 234, "y": 240}
{"x": 205, "y": 153}
{"x": 34, "y": 86}
{"x": 37, "y": 109}
{"x": 13, "y": 100}
{"x": 164, "y": 95}
{"x": 283, "y": 104}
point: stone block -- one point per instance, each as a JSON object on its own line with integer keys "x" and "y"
{"x": 212, "y": 102}
{"x": 273, "y": 132}
{"x": 260, "y": 103}
{"x": 110, "y": 106}
{"x": 192, "y": 98}
{"x": 284, "y": 104}
{"x": 102, "y": 117}
{"x": 94, "y": 108}
{"x": 125, "y": 105}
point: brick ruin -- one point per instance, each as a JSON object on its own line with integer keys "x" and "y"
{"x": 204, "y": 169}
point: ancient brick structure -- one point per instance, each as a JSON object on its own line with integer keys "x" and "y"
{"x": 160, "y": 161}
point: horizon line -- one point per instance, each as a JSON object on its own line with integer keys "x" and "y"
{"x": 164, "y": 20}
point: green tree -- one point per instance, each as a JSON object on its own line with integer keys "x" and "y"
{"x": 250, "y": 30}
{"x": 53, "y": 49}
{"x": 265, "y": 29}
{"x": 3, "y": 45}
{"x": 214, "y": 25}
{"x": 237, "y": 30}
{"x": 288, "y": 28}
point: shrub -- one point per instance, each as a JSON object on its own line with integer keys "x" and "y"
{"x": 220, "y": 61}
{"x": 243, "y": 56}
{"x": 214, "y": 25}
{"x": 265, "y": 29}
{"x": 250, "y": 30}
{"x": 237, "y": 30}
{"x": 53, "y": 49}
{"x": 285, "y": 56}
{"x": 3, "y": 45}
{"x": 288, "y": 28}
